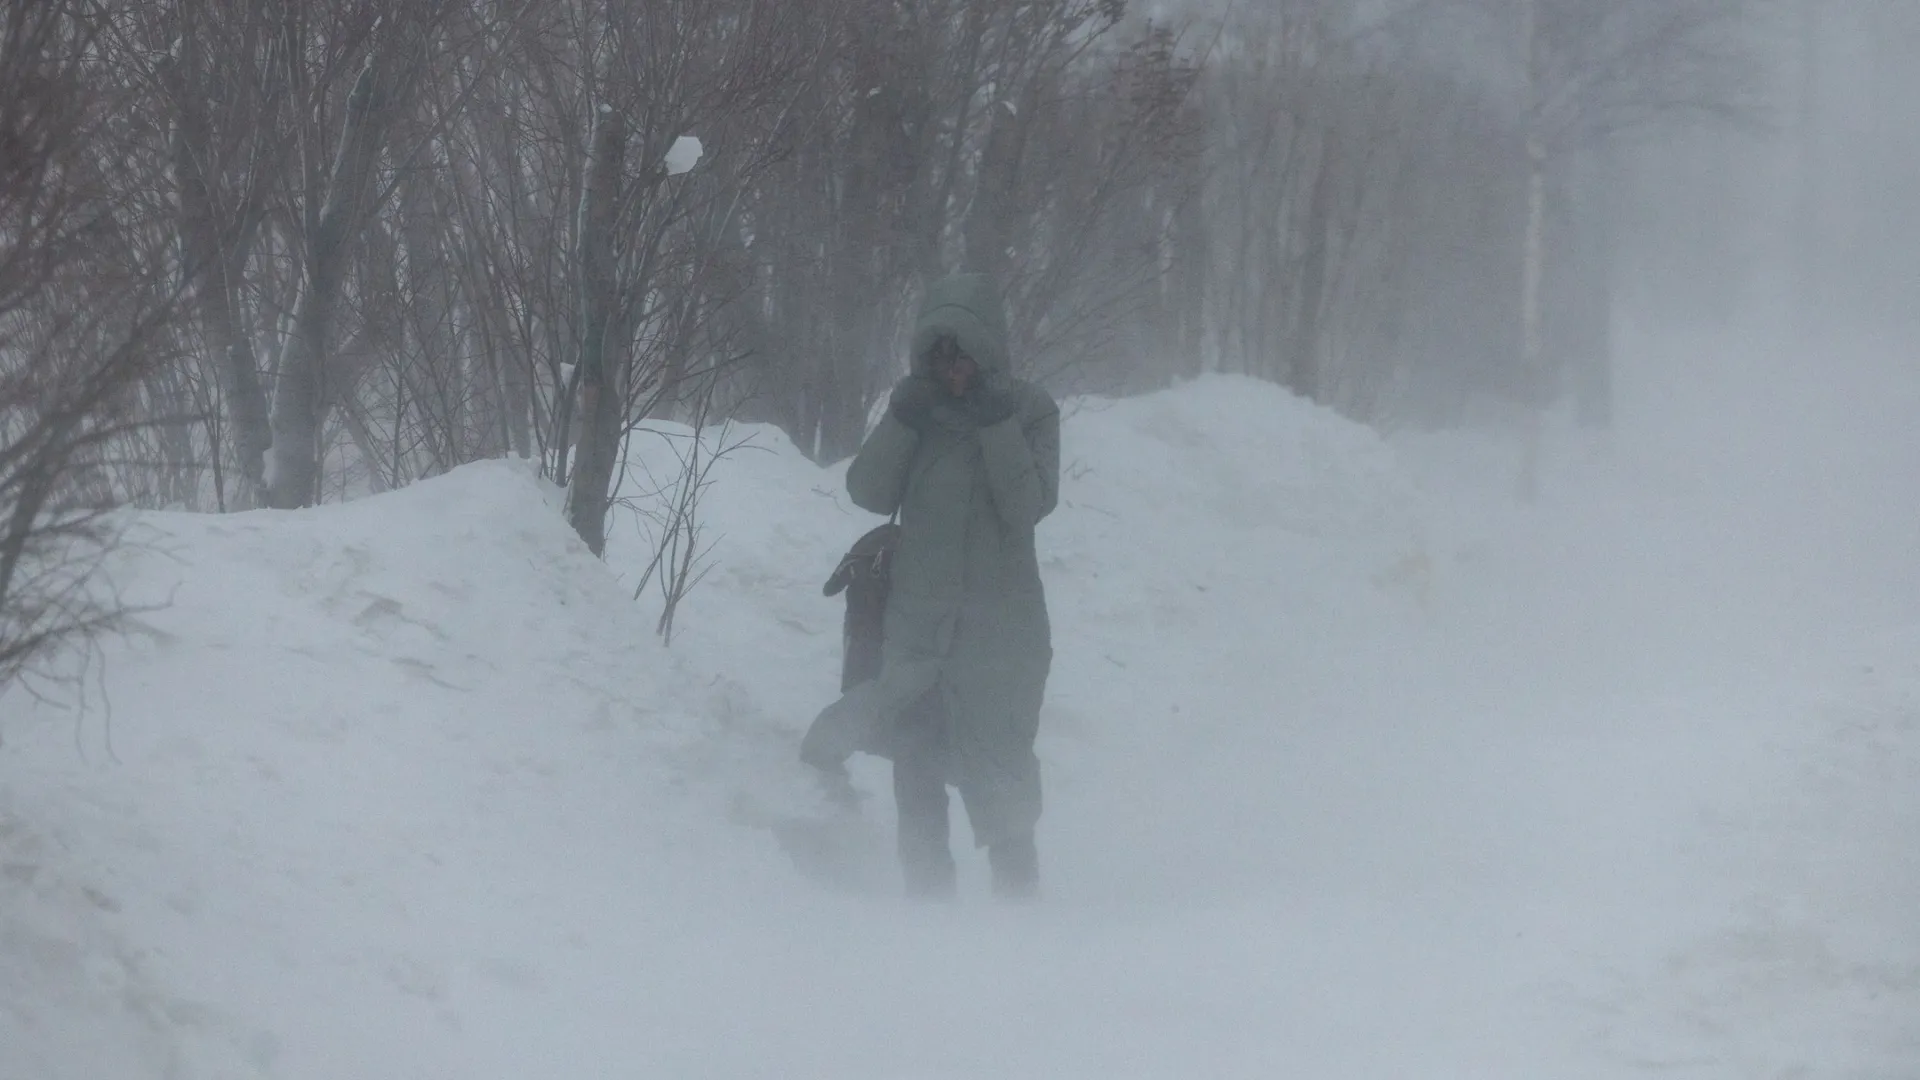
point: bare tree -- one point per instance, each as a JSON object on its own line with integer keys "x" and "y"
{"x": 1051, "y": 144}
{"x": 634, "y": 329}
{"x": 600, "y": 382}
{"x": 1332, "y": 157}
{"x": 87, "y": 303}
{"x": 223, "y": 82}
{"x": 337, "y": 206}
{"x": 669, "y": 511}
{"x": 1594, "y": 70}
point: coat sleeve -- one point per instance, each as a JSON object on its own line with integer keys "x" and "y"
{"x": 877, "y": 479}
{"x": 1022, "y": 455}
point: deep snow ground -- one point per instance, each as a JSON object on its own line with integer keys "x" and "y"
{"x": 1356, "y": 770}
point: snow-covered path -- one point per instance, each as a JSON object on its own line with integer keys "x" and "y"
{"x": 1355, "y": 771}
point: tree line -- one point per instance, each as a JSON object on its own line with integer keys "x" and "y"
{"x": 272, "y": 253}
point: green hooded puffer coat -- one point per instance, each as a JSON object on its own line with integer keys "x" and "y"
{"x": 966, "y": 617}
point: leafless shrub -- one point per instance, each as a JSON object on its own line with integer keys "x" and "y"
{"x": 669, "y": 513}
{"x": 87, "y": 304}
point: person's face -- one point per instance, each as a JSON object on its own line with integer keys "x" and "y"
{"x": 958, "y": 374}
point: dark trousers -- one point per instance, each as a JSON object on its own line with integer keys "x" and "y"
{"x": 926, "y": 852}
{"x": 925, "y": 831}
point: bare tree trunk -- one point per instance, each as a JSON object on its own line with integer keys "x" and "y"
{"x": 511, "y": 371}
{"x": 1192, "y": 252}
{"x": 1807, "y": 279}
{"x": 301, "y": 393}
{"x": 516, "y": 377}
{"x": 1533, "y": 259}
{"x": 436, "y": 381}
{"x": 241, "y": 390}
{"x": 1590, "y": 259}
{"x": 214, "y": 269}
{"x": 601, "y": 419}
{"x": 989, "y": 221}
{"x": 1308, "y": 379}
{"x": 856, "y": 304}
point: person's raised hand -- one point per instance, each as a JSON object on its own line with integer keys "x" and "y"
{"x": 914, "y": 397}
{"x": 989, "y": 402}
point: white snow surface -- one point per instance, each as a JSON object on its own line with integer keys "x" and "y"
{"x": 1356, "y": 769}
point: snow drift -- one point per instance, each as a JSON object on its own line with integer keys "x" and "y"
{"x": 407, "y": 787}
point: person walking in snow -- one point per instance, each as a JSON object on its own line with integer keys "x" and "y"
{"x": 969, "y": 458}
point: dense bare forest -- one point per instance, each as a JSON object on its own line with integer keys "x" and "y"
{"x": 271, "y": 253}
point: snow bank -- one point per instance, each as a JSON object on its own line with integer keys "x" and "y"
{"x": 359, "y": 741}
{"x": 408, "y": 788}
{"x": 352, "y": 737}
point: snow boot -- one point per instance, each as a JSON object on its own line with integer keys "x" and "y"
{"x": 1015, "y": 863}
